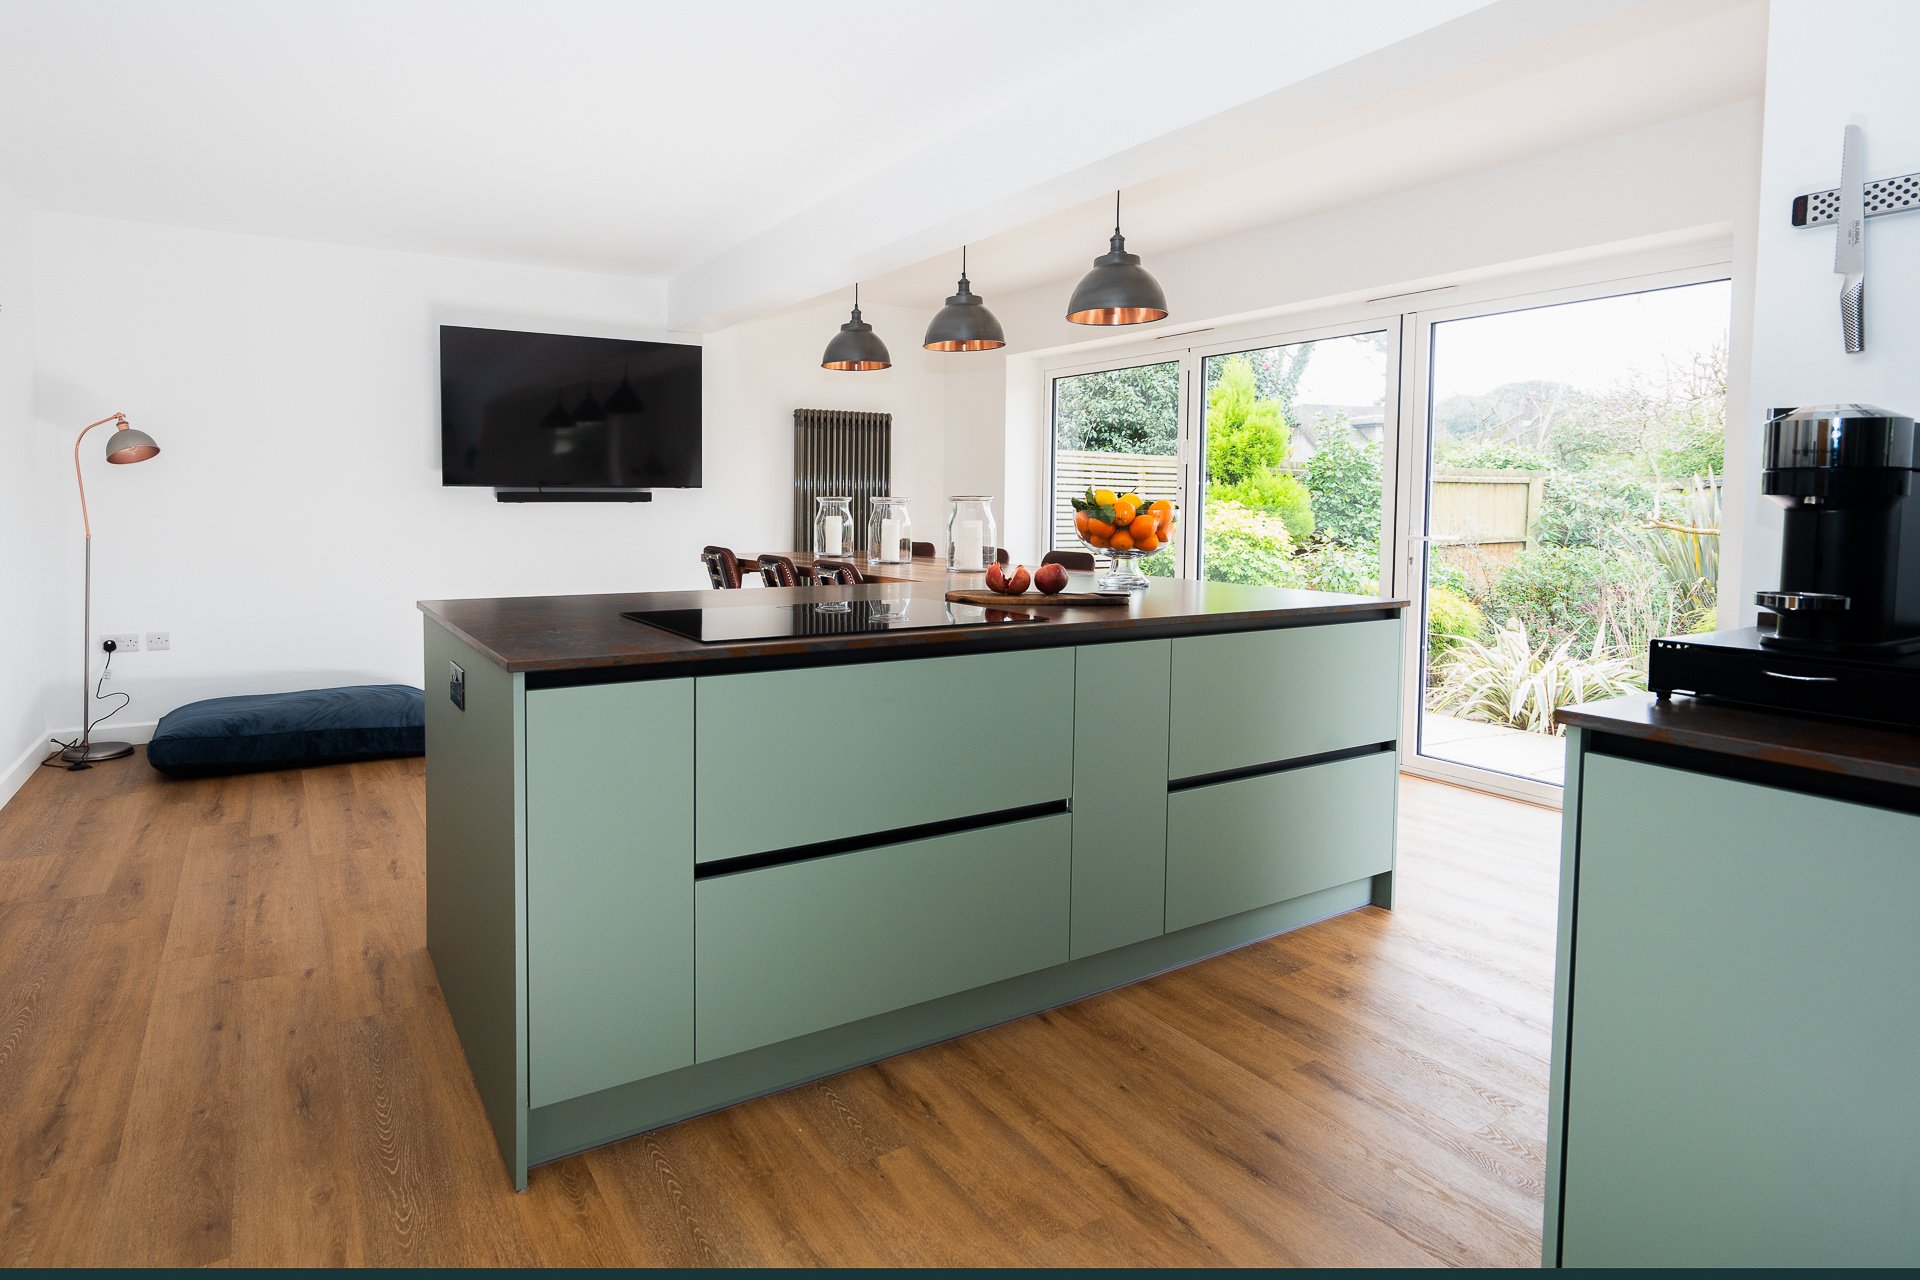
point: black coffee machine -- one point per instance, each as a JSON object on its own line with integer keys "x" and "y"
{"x": 1845, "y": 635}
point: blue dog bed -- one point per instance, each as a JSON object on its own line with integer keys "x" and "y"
{"x": 284, "y": 730}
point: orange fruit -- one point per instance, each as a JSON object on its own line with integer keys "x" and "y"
{"x": 1122, "y": 542}
{"x": 1097, "y": 539}
{"x": 1150, "y": 543}
{"x": 1161, "y": 508}
{"x": 1123, "y": 512}
{"x": 1099, "y": 528}
{"x": 1142, "y": 526}
{"x": 1080, "y": 521}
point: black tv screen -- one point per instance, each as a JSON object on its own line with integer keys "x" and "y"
{"x": 548, "y": 411}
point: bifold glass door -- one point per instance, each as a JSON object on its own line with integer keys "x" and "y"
{"x": 1568, "y": 511}
{"x": 1539, "y": 476}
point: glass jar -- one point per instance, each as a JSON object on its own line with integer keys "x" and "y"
{"x": 889, "y": 532}
{"x": 973, "y": 539}
{"x": 832, "y": 528}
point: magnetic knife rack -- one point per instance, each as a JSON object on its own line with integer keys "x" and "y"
{"x": 1887, "y": 195}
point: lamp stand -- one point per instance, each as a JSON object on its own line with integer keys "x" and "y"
{"x": 85, "y": 751}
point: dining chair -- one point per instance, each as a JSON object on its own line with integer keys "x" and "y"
{"x": 1001, "y": 557}
{"x": 779, "y": 571}
{"x": 836, "y": 571}
{"x": 924, "y": 551}
{"x": 723, "y": 567}
{"x": 1079, "y": 561}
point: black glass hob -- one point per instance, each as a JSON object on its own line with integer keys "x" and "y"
{"x": 823, "y": 618}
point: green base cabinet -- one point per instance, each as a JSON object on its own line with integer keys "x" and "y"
{"x": 651, "y": 898}
{"x": 788, "y": 950}
{"x": 1122, "y": 694}
{"x": 1234, "y": 846}
{"x": 609, "y": 885}
{"x": 1739, "y": 1025}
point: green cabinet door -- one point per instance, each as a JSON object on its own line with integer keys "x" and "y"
{"x": 609, "y": 885}
{"x": 917, "y": 741}
{"x": 791, "y": 949}
{"x": 1119, "y": 794}
{"x": 1260, "y": 697}
{"x": 1234, "y": 846}
{"x": 1743, "y": 1046}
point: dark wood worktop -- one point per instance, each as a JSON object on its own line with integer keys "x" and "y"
{"x": 557, "y": 634}
{"x": 1803, "y": 742}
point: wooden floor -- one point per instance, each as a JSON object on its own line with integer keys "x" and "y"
{"x": 221, "y": 1041}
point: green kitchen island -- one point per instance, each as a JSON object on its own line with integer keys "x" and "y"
{"x": 666, "y": 875}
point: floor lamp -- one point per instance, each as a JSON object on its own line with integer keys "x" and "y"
{"x": 125, "y": 445}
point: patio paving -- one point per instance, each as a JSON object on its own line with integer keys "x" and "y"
{"x": 1494, "y": 746}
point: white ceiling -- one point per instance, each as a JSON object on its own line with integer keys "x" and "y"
{"x": 756, "y": 152}
{"x": 1646, "y": 66}
{"x": 614, "y": 135}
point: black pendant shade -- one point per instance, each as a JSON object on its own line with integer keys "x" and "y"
{"x": 1118, "y": 290}
{"x": 964, "y": 324}
{"x": 557, "y": 417}
{"x": 588, "y": 412}
{"x": 856, "y": 348}
{"x": 624, "y": 399}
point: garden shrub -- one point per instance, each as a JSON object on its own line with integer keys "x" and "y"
{"x": 1344, "y": 481}
{"x": 1275, "y": 493}
{"x": 1553, "y": 592}
{"x": 1331, "y": 567}
{"x": 1451, "y": 619}
{"x": 1592, "y": 508}
{"x": 1248, "y": 546}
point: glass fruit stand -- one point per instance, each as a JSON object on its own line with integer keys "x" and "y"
{"x": 1125, "y": 528}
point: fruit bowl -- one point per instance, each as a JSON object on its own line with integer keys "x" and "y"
{"x": 1125, "y": 527}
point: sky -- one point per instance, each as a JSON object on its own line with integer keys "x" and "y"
{"x": 1593, "y": 345}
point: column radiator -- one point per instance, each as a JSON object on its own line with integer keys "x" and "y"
{"x": 839, "y": 451}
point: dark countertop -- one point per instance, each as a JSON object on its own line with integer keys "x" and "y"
{"x": 1828, "y": 746}
{"x": 587, "y": 633}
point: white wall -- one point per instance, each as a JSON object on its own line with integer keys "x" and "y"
{"x": 1829, "y": 65}
{"x": 24, "y": 578}
{"x": 1686, "y": 180}
{"x": 295, "y": 513}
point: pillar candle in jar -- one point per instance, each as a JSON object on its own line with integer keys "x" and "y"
{"x": 889, "y": 539}
{"x": 830, "y": 535}
{"x": 968, "y": 545}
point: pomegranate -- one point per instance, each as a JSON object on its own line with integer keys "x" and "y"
{"x": 1050, "y": 579}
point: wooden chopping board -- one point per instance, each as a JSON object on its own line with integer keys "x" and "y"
{"x": 1026, "y": 599}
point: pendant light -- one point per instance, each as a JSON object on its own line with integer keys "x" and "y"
{"x": 856, "y": 348}
{"x": 557, "y": 417}
{"x": 964, "y": 324}
{"x": 588, "y": 412}
{"x": 624, "y": 399}
{"x": 1118, "y": 290}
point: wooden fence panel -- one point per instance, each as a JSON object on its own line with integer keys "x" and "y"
{"x": 1075, "y": 471}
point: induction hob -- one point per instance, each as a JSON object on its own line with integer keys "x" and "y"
{"x": 728, "y": 623}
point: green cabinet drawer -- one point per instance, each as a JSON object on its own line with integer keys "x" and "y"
{"x": 786, "y": 950}
{"x": 1740, "y": 1077}
{"x": 1260, "y": 697}
{"x": 1234, "y": 846}
{"x": 609, "y": 885}
{"x": 1120, "y": 795}
{"x": 924, "y": 740}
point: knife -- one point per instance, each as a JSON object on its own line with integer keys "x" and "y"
{"x": 1849, "y": 257}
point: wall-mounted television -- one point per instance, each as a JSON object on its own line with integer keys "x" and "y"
{"x": 547, "y": 412}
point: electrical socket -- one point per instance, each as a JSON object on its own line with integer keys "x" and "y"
{"x": 159, "y": 641}
{"x": 122, "y": 643}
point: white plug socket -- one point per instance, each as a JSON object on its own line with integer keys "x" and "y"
{"x": 159, "y": 641}
{"x": 122, "y": 643}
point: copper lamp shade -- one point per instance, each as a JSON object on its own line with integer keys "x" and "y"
{"x": 1118, "y": 290}
{"x": 856, "y": 348}
{"x": 130, "y": 445}
{"x": 964, "y": 324}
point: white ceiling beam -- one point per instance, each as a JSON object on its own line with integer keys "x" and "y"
{"x": 1205, "y": 90}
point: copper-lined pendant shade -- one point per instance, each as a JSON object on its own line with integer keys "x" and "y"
{"x": 964, "y": 323}
{"x": 1118, "y": 290}
{"x": 856, "y": 348}
{"x": 130, "y": 445}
